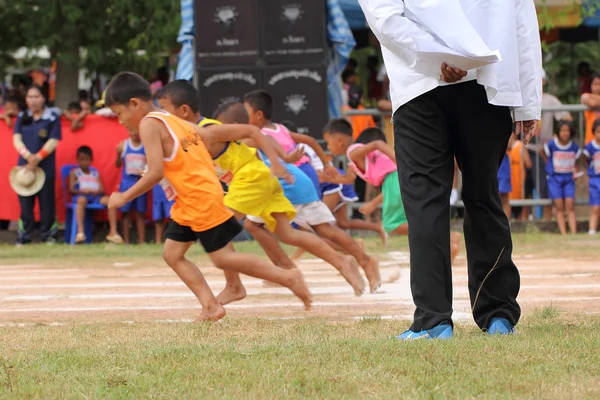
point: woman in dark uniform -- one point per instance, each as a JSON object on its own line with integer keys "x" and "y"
{"x": 36, "y": 135}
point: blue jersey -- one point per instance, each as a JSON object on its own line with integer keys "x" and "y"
{"x": 302, "y": 191}
{"x": 134, "y": 163}
{"x": 561, "y": 159}
{"x": 90, "y": 181}
{"x": 592, "y": 152}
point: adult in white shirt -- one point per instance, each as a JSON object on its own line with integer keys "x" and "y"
{"x": 435, "y": 121}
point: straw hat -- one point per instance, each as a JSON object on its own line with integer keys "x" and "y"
{"x": 26, "y": 182}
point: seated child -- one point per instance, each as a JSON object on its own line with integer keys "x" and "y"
{"x": 131, "y": 156}
{"x": 86, "y": 187}
{"x": 373, "y": 160}
{"x": 592, "y": 157}
{"x": 560, "y": 156}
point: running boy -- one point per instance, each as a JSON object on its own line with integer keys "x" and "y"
{"x": 132, "y": 157}
{"x": 177, "y": 157}
{"x": 252, "y": 189}
{"x": 373, "y": 160}
{"x": 560, "y": 156}
{"x": 259, "y": 105}
{"x": 86, "y": 187}
{"x": 312, "y": 215}
{"x": 592, "y": 157}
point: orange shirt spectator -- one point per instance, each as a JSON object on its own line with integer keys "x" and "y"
{"x": 360, "y": 122}
{"x": 592, "y": 100}
{"x": 519, "y": 160}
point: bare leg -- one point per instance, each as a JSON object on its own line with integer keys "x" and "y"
{"x": 454, "y": 245}
{"x": 341, "y": 216}
{"x": 159, "y": 230}
{"x": 401, "y": 230}
{"x": 319, "y": 248}
{"x": 548, "y": 213}
{"x": 506, "y": 205}
{"x": 570, "y": 206}
{"x": 594, "y": 217}
{"x": 248, "y": 264}
{"x": 112, "y": 221}
{"x": 80, "y": 214}
{"x": 560, "y": 216}
{"x": 174, "y": 256}
{"x": 125, "y": 227}
{"x": 369, "y": 264}
{"x": 140, "y": 224}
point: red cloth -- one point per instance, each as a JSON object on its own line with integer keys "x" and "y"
{"x": 100, "y": 133}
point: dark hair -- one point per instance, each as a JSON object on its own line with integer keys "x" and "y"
{"x": 28, "y": 119}
{"x": 291, "y": 126}
{"x": 370, "y": 135}
{"x": 568, "y": 124}
{"x": 347, "y": 74}
{"x": 260, "y": 100}
{"x": 232, "y": 113}
{"x": 338, "y": 125}
{"x": 84, "y": 95}
{"x": 126, "y": 86}
{"x": 352, "y": 62}
{"x": 595, "y": 125}
{"x": 180, "y": 92}
{"x": 12, "y": 99}
{"x": 86, "y": 150}
{"x": 74, "y": 106}
{"x": 595, "y": 75}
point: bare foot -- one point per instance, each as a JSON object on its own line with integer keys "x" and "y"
{"x": 297, "y": 284}
{"x": 297, "y": 254}
{"x": 231, "y": 294}
{"x": 213, "y": 313}
{"x": 349, "y": 271}
{"x": 454, "y": 245}
{"x": 372, "y": 272}
{"x": 393, "y": 277}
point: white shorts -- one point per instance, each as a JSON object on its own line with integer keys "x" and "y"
{"x": 307, "y": 215}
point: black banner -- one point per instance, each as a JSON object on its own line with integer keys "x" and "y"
{"x": 300, "y": 95}
{"x": 221, "y": 86}
{"x": 226, "y": 32}
{"x": 293, "y": 31}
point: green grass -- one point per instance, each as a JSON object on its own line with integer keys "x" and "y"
{"x": 551, "y": 357}
{"x": 539, "y": 244}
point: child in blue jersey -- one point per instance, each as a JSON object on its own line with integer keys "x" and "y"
{"x": 504, "y": 184}
{"x": 161, "y": 211}
{"x": 560, "y": 156}
{"x": 592, "y": 157}
{"x": 86, "y": 188}
{"x": 132, "y": 157}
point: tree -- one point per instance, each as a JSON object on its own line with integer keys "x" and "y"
{"x": 101, "y": 35}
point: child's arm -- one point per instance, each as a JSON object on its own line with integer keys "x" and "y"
{"x": 119, "y": 160}
{"x": 545, "y": 153}
{"x": 6, "y": 119}
{"x": 290, "y": 158}
{"x": 372, "y": 205}
{"x": 361, "y": 152}
{"x": 150, "y": 132}
{"x": 72, "y": 182}
{"x": 67, "y": 115}
{"x": 233, "y": 132}
{"x": 328, "y": 169}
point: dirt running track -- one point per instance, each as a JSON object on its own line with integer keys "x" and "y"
{"x": 32, "y": 294}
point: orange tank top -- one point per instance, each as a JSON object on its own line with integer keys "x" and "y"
{"x": 190, "y": 178}
{"x": 517, "y": 171}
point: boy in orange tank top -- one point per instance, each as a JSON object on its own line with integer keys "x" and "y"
{"x": 177, "y": 158}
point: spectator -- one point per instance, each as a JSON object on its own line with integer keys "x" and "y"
{"x": 86, "y": 106}
{"x": 86, "y": 187}
{"x": 592, "y": 157}
{"x": 592, "y": 100}
{"x": 36, "y": 136}
{"x": 10, "y": 110}
{"x": 536, "y": 176}
{"x": 132, "y": 157}
{"x": 504, "y": 184}
{"x": 359, "y": 122}
{"x": 560, "y": 156}
{"x": 75, "y": 114}
{"x": 519, "y": 163}
{"x": 584, "y": 77}
{"x": 374, "y": 85}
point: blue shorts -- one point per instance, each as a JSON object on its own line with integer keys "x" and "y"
{"x": 91, "y": 198}
{"x": 312, "y": 174}
{"x": 594, "y": 184}
{"x": 161, "y": 209}
{"x": 139, "y": 204}
{"x": 561, "y": 186}
{"x": 504, "y": 184}
{"x": 346, "y": 192}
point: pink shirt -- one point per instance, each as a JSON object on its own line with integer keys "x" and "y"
{"x": 283, "y": 137}
{"x": 377, "y": 165}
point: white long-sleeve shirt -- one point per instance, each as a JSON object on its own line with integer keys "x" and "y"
{"x": 468, "y": 27}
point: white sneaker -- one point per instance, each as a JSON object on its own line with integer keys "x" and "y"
{"x": 454, "y": 196}
{"x": 591, "y": 232}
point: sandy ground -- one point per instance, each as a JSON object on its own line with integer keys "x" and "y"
{"x": 31, "y": 294}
